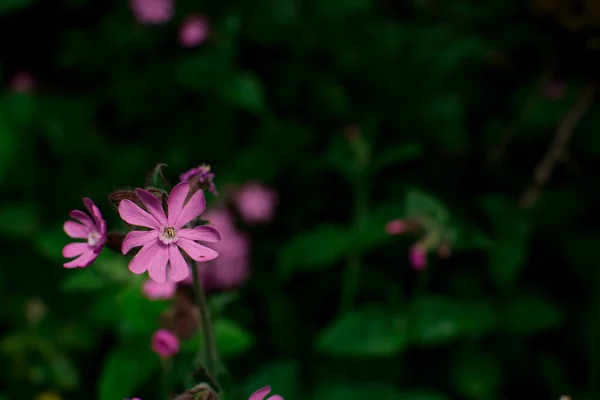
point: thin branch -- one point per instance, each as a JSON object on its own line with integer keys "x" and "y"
{"x": 557, "y": 151}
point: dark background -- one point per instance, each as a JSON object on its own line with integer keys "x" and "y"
{"x": 456, "y": 103}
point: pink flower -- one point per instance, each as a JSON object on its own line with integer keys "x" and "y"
{"x": 395, "y": 227}
{"x": 94, "y": 231}
{"x": 260, "y": 394}
{"x": 255, "y": 202}
{"x": 193, "y": 31}
{"x": 232, "y": 267}
{"x": 201, "y": 176}
{"x": 164, "y": 343}
{"x": 22, "y": 82}
{"x": 152, "y": 11}
{"x": 417, "y": 256}
{"x": 154, "y": 290}
{"x": 167, "y": 235}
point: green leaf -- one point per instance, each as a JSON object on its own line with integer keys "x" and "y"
{"x": 531, "y": 313}
{"x": 19, "y": 220}
{"x": 369, "y": 332}
{"x": 202, "y": 72}
{"x": 83, "y": 280}
{"x": 49, "y": 244}
{"x": 476, "y": 375}
{"x": 314, "y": 249}
{"x": 282, "y": 376}
{"x": 397, "y": 155}
{"x": 64, "y": 373}
{"x": 156, "y": 178}
{"x": 420, "y": 204}
{"x": 231, "y": 338}
{"x": 138, "y": 315}
{"x": 245, "y": 91}
{"x": 126, "y": 368}
{"x": 14, "y": 5}
{"x": 440, "y": 319}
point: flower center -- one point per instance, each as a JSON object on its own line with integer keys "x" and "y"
{"x": 168, "y": 235}
{"x": 93, "y": 238}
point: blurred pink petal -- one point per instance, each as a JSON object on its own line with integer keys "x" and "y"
{"x": 417, "y": 256}
{"x": 165, "y": 343}
{"x": 152, "y": 11}
{"x": 255, "y": 202}
{"x": 154, "y": 290}
{"x": 261, "y": 394}
{"x": 194, "y": 31}
{"x": 22, "y": 82}
{"x": 395, "y": 227}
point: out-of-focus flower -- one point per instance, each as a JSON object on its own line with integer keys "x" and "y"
{"x": 22, "y": 82}
{"x": 396, "y": 227}
{"x": 232, "y": 267}
{"x": 255, "y": 202}
{"x": 193, "y": 31}
{"x": 200, "y": 177}
{"x": 94, "y": 231}
{"x": 261, "y": 394}
{"x": 417, "y": 255}
{"x": 152, "y": 11}
{"x": 167, "y": 235}
{"x": 165, "y": 343}
{"x": 154, "y": 290}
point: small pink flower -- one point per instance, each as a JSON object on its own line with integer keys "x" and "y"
{"x": 417, "y": 256}
{"x": 396, "y": 227}
{"x": 162, "y": 244}
{"x": 232, "y": 267}
{"x": 153, "y": 290}
{"x": 152, "y": 11}
{"x": 260, "y": 394}
{"x": 164, "y": 343}
{"x": 193, "y": 31}
{"x": 202, "y": 176}
{"x": 255, "y": 202}
{"x": 22, "y": 82}
{"x": 94, "y": 231}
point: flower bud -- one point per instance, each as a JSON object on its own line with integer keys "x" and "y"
{"x": 202, "y": 391}
{"x": 165, "y": 343}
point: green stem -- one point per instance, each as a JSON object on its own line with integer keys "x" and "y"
{"x": 164, "y": 379}
{"x": 209, "y": 349}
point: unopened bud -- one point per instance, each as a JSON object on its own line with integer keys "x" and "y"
{"x": 119, "y": 195}
{"x": 202, "y": 391}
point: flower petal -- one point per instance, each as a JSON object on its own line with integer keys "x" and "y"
{"x": 176, "y": 200}
{"x": 138, "y": 238}
{"x": 83, "y": 218}
{"x": 157, "y": 270}
{"x": 76, "y": 230}
{"x": 153, "y": 204}
{"x": 95, "y": 212}
{"x": 75, "y": 249}
{"x": 140, "y": 263}
{"x": 134, "y": 215}
{"x": 275, "y": 397}
{"x": 83, "y": 260}
{"x": 260, "y": 394}
{"x": 203, "y": 233}
{"x": 192, "y": 209}
{"x": 197, "y": 251}
{"x": 179, "y": 268}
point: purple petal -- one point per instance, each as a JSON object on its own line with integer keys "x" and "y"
{"x": 76, "y": 230}
{"x": 83, "y": 260}
{"x": 260, "y": 394}
{"x": 75, "y": 249}
{"x": 138, "y": 238}
{"x": 134, "y": 215}
{"x": 157, "y": 269}
{"x": 140, "y": 263}
{"x": 197, "y": 251}
{"x": 176, "y": 200}
{"x": 179, "y": 268}
{"x": 94, "y": 211}
{"x": 153, "y": 205}
{"x": 192, "y": 209}
{"x": 203, "y": 233}
{"x": 83, "y": 218}
{"x": 275, "y": 397}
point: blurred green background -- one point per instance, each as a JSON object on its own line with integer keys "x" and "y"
{"x": 476, "y": 119}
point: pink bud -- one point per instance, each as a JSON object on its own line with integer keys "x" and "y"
{"x": 395, "y": 227}
{"x": 417, "y": 257}
{"x": 154, "y": 290}
{"x": 164, "y": 343}
{"x": 193, "y": 31}
{"x": 22, "y": 82}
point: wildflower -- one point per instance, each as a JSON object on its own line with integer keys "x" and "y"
{"x": 152, "y": 11}
{"x": 22, "y": 82}
{"x": 167, "y": 235}
{"x": 193, "y": 31}
{"x": 200, "y": 177}
{"x": 153, "y": 290}
{"x": 94, "y": 231}
{"x": 260, "y": 394}
{"x": 232, "y": 267}
{"x": 396, "y": 227}
{"x": 417, "y": 256}
{"x": 164, "y": 343}
{"x": 255, "y": 202}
